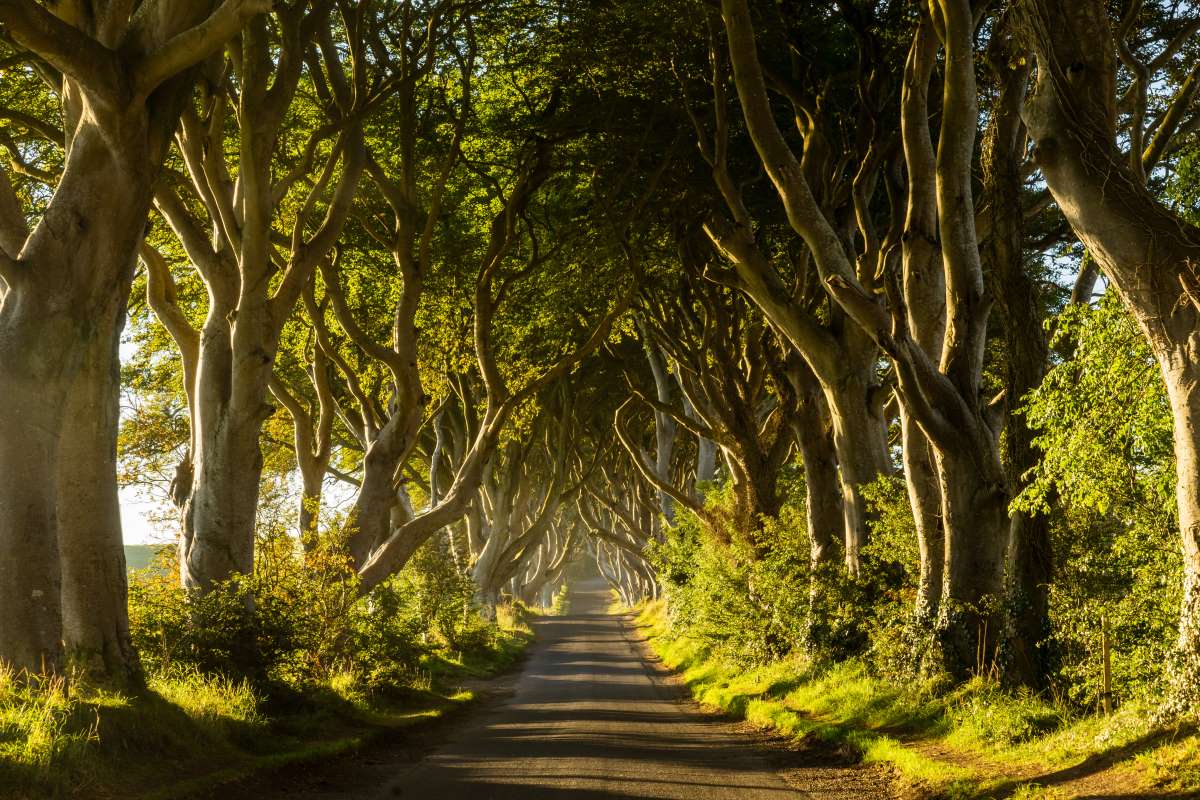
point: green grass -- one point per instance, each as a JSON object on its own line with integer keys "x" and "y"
{"x": 141, "y": 556}
{"x": 976, "y": 741}
{"x": 84, "y": 742}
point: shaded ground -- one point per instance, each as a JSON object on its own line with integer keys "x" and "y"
{"x": 590, "y": 716}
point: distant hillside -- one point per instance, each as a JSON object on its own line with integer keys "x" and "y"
{"x": 140, "y": 556}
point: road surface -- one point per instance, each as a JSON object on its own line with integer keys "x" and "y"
{"x": 589, "y": 717}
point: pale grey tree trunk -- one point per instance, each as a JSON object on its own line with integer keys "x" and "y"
{"x": 220, "y": 515}
{"x": 924, "y": 495}
{"x": 975, "y": 510}
{"x": 1020, "y": 309}
{"x": 34, "y": 396}
{"x": 706, "y": 460}
{"x": 220, "y": 511}
{"x": 71, "y": 277}
{"x": 664, "y": 426}
{"x": 924, "y": 288}
{"x": 123, "y": 92}
{"x": 95, "y": 585}
{"x": 371, "y": 517}
{"x": 860, "y": 439}
{"x": 437, "y": 458}
{"x": 706, "y": 454}
{"x": 1183, "y": 391}
{"x": 475, "y": 526}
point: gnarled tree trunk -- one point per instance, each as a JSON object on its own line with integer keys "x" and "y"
{"x": 860, "y": 439}
{"x": 123, "y": 89}
{"x": 72, "y": 274}
{"x": 943, "y": 394}
{"x": 1020, "y": 311}
{"x": 221, "y": 506}
{"x": 924, "y": 291}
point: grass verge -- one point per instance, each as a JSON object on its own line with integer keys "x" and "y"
{"x": 977, "y": 741}
{"x": 188, "y": 732}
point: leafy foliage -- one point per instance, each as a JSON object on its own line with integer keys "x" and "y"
{"x": 1105, "y": 431}
{"x": 300, "y": 621}
{"x": 764, "y": 608}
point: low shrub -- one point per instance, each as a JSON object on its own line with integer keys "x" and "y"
{"x": 301, "y": 619}
{"x": 261, "y": 668}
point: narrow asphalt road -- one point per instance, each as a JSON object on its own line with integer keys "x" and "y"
{"x": 590, "y": 718}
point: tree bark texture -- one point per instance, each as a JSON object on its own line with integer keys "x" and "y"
{"x": 95, "y": 588}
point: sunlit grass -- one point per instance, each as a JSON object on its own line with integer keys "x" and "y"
{"x": 988, "y": 740}
{"x": 1175, "y": 765}
{"x": 60, "y": 740}
{"x": 209, "y": 699}
{"x": 36, "y": 726}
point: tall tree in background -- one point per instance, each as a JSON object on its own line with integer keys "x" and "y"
{"x": 729, "y": 365}
{"x": 838, "y": 352}
{"x": 944, "y": 394}
{"x": 1021, "y": 310}
{"x": 411, "y": 174}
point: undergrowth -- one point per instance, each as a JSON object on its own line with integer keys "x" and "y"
{"x": 977, "y": 740}
{"x": 60, "y": 742}
{"x": 328, "y": 670}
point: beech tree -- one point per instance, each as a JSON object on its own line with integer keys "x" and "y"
{"x": 838, "y": 353}
{"x": 383, "y": 542}
{"x": 525, "y": 485}
{"x": 544, "y": 575}
{"x": 753, "y": 302}
{"x": 730, "y": 372}
{"x": 943, "y": 390}
{"x": 412, "y": 179}
{"x": 122, "y": 78}
{"x": 616, "y": 522}
{"x": 233, "y": 355}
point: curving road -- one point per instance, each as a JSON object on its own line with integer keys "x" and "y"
{"x": 590, "y": 718}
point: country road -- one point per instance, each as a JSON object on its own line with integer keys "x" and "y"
{"x": 591, "y": 716}
{"x": 590, "y": 719}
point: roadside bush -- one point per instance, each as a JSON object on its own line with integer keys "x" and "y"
{"x": 759, "y": 609}
{"x": 1108, "y": 470}
{"x": 711, "y": 589}
{"x": 439, "y": 595}
{"x": 756, "y": 609}
{"x": 778, "y": 578}
{"x": 1106, "y": 478}
{"x": 300, "y": 619}
{"x": 287, "y": 623}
